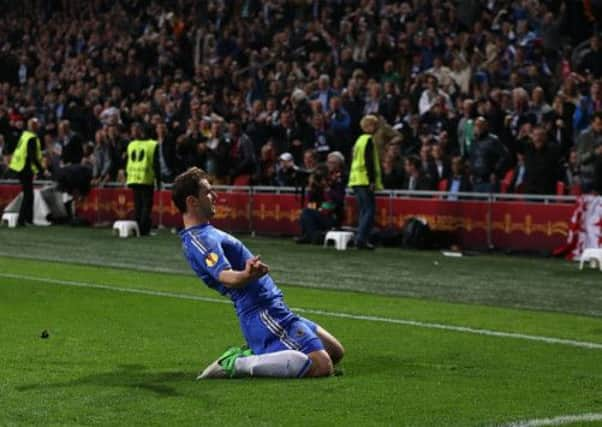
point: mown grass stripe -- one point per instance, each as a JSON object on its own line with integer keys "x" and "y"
{"x": 405, "y": 322}
{"x": 557, "y": 421}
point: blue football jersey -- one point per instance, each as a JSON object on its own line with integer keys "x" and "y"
{"x": 210, "y": 251}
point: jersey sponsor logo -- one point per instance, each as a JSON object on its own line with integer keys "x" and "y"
{"x": 211, "y": 259}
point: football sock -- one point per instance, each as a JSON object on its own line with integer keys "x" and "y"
{"x": 281, "y": 364}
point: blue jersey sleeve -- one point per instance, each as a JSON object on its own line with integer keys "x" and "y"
{"x": 208, "y": 256}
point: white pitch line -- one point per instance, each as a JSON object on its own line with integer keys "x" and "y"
{"x": 405, "y": 322}
{"x": 557, "y": 421}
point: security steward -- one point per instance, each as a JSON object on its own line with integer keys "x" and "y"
{"x": 26, "y": 162}
{"x": 365, "y": 178}
{"x": 143, "y": 169}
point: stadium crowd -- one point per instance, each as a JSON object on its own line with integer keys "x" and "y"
{"x": 491, "y": 95}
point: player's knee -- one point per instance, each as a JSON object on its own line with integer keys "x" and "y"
{"x": 337, "y": 352}
{"x": 321, "y": 364}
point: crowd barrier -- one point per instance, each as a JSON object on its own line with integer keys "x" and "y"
{"x": 504, "y": 221}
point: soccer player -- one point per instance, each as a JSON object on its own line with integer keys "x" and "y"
{"x": 281, "y": 344}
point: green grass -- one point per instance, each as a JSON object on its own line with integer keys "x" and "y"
{"x": 494, "y": 280}
{"x": 121, "y": 358}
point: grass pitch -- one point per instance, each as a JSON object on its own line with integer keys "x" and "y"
{"x": 125, "y": 344}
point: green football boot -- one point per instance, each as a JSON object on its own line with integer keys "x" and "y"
{"x": 223, "y": 367}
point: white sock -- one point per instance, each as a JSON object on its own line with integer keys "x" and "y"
{"x": 281, "y": 364}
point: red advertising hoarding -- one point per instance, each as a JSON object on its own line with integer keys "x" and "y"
{"x": 518, "y": 225}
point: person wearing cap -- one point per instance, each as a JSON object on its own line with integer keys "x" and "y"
{"x": 365, "y": 178}
{"x": 26, "y": 162}
{"x": 286, "y": 175}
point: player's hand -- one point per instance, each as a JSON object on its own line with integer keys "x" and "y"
{"x": 260, "y": 266}
{"x": 255, "y": 268}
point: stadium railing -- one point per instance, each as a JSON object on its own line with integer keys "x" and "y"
{"x": 495, "y": 217}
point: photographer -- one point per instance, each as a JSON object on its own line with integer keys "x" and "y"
{"x": 325, "y": 200}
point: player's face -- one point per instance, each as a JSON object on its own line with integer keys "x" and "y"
{"x": 207, "y": 198}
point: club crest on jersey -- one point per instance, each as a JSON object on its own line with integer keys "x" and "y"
{"x": 211, "y": 259}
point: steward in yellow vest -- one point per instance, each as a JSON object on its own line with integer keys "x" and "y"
{"x": 26, "y": 162}
{"x": 365, "y": 178}
{"x": 141, "y": 159}
{"x": 143, "y": 169}
{"x": 365, "y": 165}
{"x": 27, "y": 157}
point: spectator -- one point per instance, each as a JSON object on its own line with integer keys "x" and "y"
{"x": 339, "y": 123}
{"x": 324, "y": 93}
{"x": 392, "y": 168}
{"x": 266, "y": 174}
{"x": 287, "y": 172}
{"x": 589, "y": 103}
{"x": 322, "y": 139}
{"x": 373, "y": 100}
{"x": 255, "y": 68}
{"x": 431, "y": 95}
{"x": 572, "y": 173}
{"x": 218, "y": 148}
{"x": 440, "y": 165}
{"x": 71, "y": 143}
{"x": 588, "y": 144}
{"x": 519, "y": 173}
{"x": 591, "y": 63}
{"x": 415, "y": 179}
{"x": 465, "y": 128}
{"x": 310, "y": 159}
{"x": 542, "y": 164}
{"x": 167, "y": 152}
{"x": 242, "y": 156}
{"x": 459, "y": 181}
{"x": 488, "y": 158}
{"x": 325, "y": 198}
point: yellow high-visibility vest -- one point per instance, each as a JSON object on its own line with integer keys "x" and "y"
{"x": 141, "y": 156}
{"x": 359, "y": 173}
{"x": 17, "y": 162}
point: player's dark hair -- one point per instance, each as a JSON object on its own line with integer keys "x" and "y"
{"x": 187, "y": 184}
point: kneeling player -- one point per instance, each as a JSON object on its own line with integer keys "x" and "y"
{"x": 281, "y": 344}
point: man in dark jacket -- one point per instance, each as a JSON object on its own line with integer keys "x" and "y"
{"x": 588, "y": 142}
{"x": 488, "y": 158}
{"x": 242, "y": 156}
{"x": 416, "y": 179}
{"x": 72, "y": 144}
{"x": 542, "y": 164}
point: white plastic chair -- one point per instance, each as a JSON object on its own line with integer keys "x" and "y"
{"x": 10, "y": 218}
{"x": 592, "y": 255}
{"x": 126, "y": 228}
{"x": 340, "y": 238}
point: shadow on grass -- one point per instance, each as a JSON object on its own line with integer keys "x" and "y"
{"x": 133, "y": 376}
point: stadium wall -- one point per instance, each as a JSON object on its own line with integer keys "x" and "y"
{"x": 514, "y": 225}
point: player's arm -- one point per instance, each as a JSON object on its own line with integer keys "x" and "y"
{"x": 254, "y": 269}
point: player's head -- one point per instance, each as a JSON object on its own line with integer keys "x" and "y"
{"x": 192, "y": 193}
